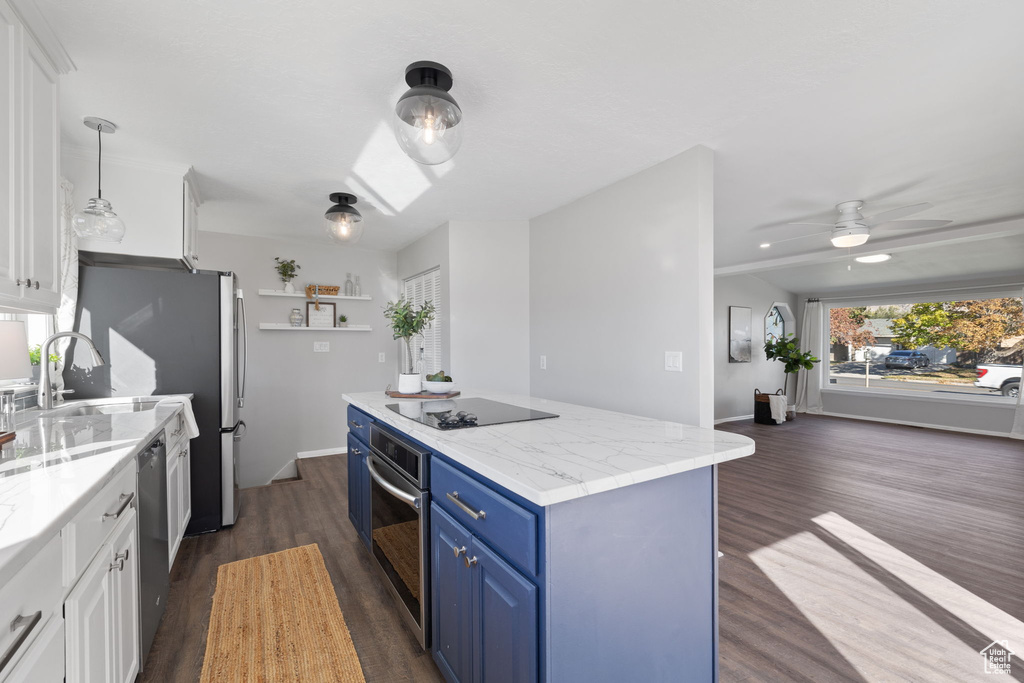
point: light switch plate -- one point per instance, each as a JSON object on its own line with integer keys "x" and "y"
{"x": 380, "y": 357}
{"x": 543, "y": 362}
{"x": 674, "y": 361}
{"x": 321, "y": 347}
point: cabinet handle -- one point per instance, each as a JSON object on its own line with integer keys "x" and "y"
{"x": 475, "y": 514}
{"x": 19, "y": 282}
{"x": 119, "y": 561}
{"x": 356, "y": 451}
{"x": 177, "y": 431}
{"x": 355, "y": 424}
{"x": 459, "y": 551}
{"x": 35, "y": 285}
{"x": 183, "y": 452}
{"x": 470, "y": 561}
{"x": 126, "y": 500}
{"x": 19, "y": 621}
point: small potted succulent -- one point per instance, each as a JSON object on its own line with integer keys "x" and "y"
{"x": 288, "y": 270}
{"x": 407, "y": 321}
{"x": 342, "y": 320}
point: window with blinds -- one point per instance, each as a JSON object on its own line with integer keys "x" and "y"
{"x": 420, "y": 289}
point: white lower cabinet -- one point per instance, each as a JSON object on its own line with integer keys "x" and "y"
{"x": 44, "y": 661}
{"x": 101, "y": 612}
{"x": 179, "y": 496}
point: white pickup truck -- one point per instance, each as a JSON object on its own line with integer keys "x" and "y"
{"x": 1004, "y": 378}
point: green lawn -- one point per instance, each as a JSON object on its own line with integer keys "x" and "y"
{"x": 947, "y": 376}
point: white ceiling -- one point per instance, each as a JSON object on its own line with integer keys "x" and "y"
{"x": 277, "y": 104}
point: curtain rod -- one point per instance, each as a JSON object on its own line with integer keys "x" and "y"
{"x": 1009, "y": 285}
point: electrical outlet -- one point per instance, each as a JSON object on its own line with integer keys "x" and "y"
{"x": 674, "y": 361}
{"x": 380, "y": 357}
{"x": 543, "y": 362}
{"x": 321, "y": 347}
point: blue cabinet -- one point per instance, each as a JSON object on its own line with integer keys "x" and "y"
{"x": 485, "y": 612}
{"x": 359, "y": 488}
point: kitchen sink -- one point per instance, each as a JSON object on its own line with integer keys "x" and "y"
{"x": 104, "y": 406}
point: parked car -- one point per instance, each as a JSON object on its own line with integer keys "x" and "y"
{"x": 1001, "y": 378}
{"x": 906, "y": 359}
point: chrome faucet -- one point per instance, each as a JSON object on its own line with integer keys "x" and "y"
{"x": 45, "y": 390}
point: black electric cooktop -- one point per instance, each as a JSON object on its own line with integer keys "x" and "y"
{"x": 465, "y": 412}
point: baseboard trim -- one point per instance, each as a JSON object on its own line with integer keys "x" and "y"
{"x": 734, "y": 419}
{"x": 944, "y": 428}
{"x": 323, "y": 451}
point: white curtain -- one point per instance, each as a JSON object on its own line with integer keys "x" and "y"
{"x": 808, "y": 382}
{"x": 64, "y": 321}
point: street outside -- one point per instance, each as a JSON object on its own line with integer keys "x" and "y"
{"x": 851, "y": 374}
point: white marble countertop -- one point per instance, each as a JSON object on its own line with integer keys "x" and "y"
{"x": 581, "y": 452}
{"x": 56, "y": 465}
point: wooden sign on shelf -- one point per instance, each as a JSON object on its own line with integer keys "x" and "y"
{"x": 320, "y": 314}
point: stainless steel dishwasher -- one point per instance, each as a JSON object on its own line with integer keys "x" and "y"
{"x": 154, "y": 579}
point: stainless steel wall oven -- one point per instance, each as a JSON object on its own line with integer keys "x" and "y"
{"x": 400, "y": 523}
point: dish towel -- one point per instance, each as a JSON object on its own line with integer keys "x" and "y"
{"x": 778, "y": 406}
{"x": 191, "y": 428}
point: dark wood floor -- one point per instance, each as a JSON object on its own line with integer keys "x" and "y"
{"x": 276, "y": 517}
{"x": 800, "y": 600}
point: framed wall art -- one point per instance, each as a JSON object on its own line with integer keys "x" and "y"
{"x": 739, "y": 334}
{"x": 320, "y": 315}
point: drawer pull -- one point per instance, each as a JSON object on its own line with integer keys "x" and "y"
{"x": 183, "y": 452}
{"x": 177, "y": 431}
{"x": 29, "y": 623}
{"x": 119, "y": 561}
{"x": 126, "y": 500}
{"x": 355, "y": 424}
{"x": 459, "y": 551}
{"x": 454, "y": 497}
{"x": 356, "y": 451}
{"x": 470, "y": 561}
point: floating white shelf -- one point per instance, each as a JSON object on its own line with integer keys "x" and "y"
{"x": 302, "y": 295}
{"x": 286, "y": 326}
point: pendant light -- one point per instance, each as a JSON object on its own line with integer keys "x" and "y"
{"x": 344, "y": 222}
{"x": 97, "y": 221}
{"x": 427, "y": 117}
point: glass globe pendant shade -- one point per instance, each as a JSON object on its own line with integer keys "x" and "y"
{"x": 97, "y": 221}
{"x": 427, "y": 117}
{"x": 343, "y": 222}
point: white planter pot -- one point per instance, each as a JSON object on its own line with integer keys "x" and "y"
{"x": 289, "y": 288}
{"x": 409, "y": 384}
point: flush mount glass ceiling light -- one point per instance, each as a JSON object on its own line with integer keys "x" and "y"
{"x": 874, "y": 258}
{"x": 427, "y": 117}
{"x": 97, "y": 220}
{"x": 850, "y": 235}
{"x": 344, "y": 222}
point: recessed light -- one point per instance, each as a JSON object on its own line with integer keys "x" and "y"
{"x": 874, "y": 258}
{"x": 765, "y": 245}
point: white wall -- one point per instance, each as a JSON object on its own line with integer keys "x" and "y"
{"x": 490, "y": 304}
{"x": 485, "y": 268}
{"x": 735, "y": 382}
{"x": 618, "y": 278}
{"x": 426, "y": 253}
{"x": 984, "y": 414}
{"x": 293, "y": 395}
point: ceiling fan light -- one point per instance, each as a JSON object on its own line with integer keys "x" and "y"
{"x": 874, "y": 258}
{"x": 343, "y": 221}
{"x": 850, "y": 236}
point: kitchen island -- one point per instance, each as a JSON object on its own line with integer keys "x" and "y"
{"x": 581, "y": 547}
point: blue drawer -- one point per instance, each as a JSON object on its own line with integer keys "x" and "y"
{"x": 359, "y": 424}
{"x": 508, "y": 527}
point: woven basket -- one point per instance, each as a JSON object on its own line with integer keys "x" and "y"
{"x": 760, "y": 397}
{"x": 322, "y": 290}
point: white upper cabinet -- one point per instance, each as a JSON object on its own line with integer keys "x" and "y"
{"x": 158, "y": 203}
{"x": 30, "y": 149}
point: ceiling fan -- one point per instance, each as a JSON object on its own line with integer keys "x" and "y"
{"x": 852, "y": 229}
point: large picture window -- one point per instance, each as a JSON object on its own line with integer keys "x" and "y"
{"x": 955, "y": 349}
{"x": 420, "y": 289}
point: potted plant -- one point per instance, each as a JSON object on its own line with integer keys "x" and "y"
{"x": 408, "y": 320}
{"x": 342, "y": 321}
{"x": 787, "y": 350}
{"x": 287, "y": 269}
{"x": 35, "y": 358}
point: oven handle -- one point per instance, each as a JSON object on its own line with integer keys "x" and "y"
{"x": 410, "y": 500}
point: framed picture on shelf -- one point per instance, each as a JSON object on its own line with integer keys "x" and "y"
{"x": 320, "y": 315}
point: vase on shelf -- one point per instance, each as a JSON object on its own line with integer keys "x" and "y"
{"x": 349, "y": 287}
{"x": 358, "y": 287}
{"x": 289, "y": 288}
{"x": 295, "y": 318}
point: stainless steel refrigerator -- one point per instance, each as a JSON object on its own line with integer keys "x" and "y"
{"x": 171, "y": 331}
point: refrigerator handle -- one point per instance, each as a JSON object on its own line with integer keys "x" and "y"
{"x": 243, "y": 360}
